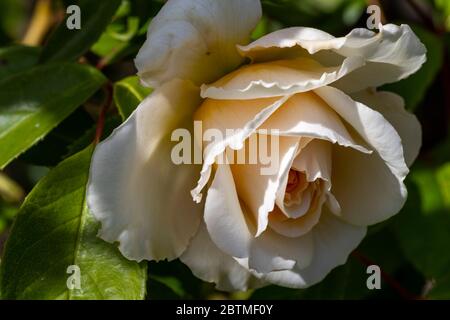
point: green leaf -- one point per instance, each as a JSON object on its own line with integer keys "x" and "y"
{"x": 54, "y": 230}
{"x": 174, "y": 280}
{"x": 443, "y": 180}
{"x": 7, "y": 214}
{"x": 17, "y": 58}
{"x": 165, "y": 288}
{"x": 7, "y": 211}
{"x": 54, "y": 147}
{"x": 441, "y": 289}
{"x": 424, "y": 78}
{"x": 430, "y": 198}
{"x": 422, "y": 227}
{"x": 35, "y": 101}
{"x": 444, "y": 8}
{"x": 67, "y": 45}
{"x": 128, "y": 93}
{"x": 13, "y": 15}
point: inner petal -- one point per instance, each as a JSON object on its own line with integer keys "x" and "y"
{"x": 305, "y": 190}
{"x": 258, "y": 190}
{"x": 299, "y": 226}
{"x": 310, "y": 171}
{"x": 296, "y": 180}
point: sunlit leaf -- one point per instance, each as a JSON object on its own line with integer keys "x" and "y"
{"x": 54, "y": 231}
{"x": 128, "y": 93}
{"x": 14, "y": 59}
{"x": 35, "y": 101}
{"x": 422, "y": 227}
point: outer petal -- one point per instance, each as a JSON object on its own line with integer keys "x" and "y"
{"x": 211, "y": 264}
{"x": 390, "y": 55}
{"x": 365, "y": 188}
{"x": 392, "y": 107}
{"x": 232, "y": 230}
{"x": 133, "y": 180}
{"x": 334, "y": 240}
{"x": 195, "y": 40}
{"x": 278, "y": 78}
{"x": 369, "y": 188}
{"x": 268, "y": 47}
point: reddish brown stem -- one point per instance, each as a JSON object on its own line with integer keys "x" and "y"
{"x": 101, "y": 64}
{"x": 104, "y": 110}
{"x": 394, "y": 284}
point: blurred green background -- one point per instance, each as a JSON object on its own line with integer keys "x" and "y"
{"x": 412, "y": 248}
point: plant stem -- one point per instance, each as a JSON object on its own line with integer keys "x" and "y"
{"x": 104, "y": 110}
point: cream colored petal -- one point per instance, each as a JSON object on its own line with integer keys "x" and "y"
{"x": 392, "y": 107}
{"x": 210, "y": 264}
{"x": 315, "y": 161}
{"x": 297, "y": 227}
{"x": 369, "y": 188}
{"x": 366, "y": 190}
{"x": 390, "y": 55}
{"x": 133, "y": 181}
{"x": 306, "y": 115}
{"x": 313, "y": 40}
{"x": 278, "y": 78}
{"x": 244, "y": 115}
{"x": 233, "y": 231}
{"x": 334, "y": 240}
{"x": 273, "y": 251}
{"x": 195, "y": 40}
{"x": 303, "y": 115}
{"x": 258, "y": 189}
{"x": 295, "y": 210}
{"x": 371, "y": 126}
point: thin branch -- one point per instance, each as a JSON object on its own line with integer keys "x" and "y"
{"x": 101, "y": 119}
{"x": 393, "y": 283}
{"x": 103, "y": 62}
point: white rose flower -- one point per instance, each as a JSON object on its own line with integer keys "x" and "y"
{"x": 344, "y": 147}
